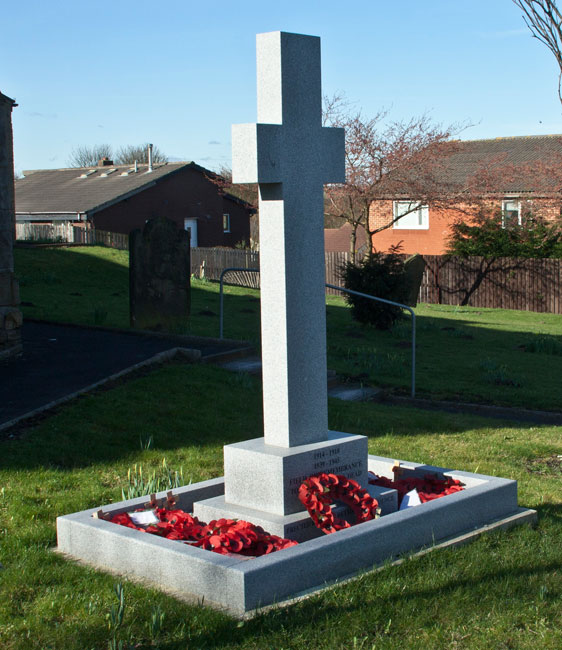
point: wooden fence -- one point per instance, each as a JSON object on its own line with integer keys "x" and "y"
{"x": 529, "y": 285}
{"x": 60, "y": 233}
{"x": 504, "y": 283}
{"x": 57, "y": 233}
{"x": 210, "y": 262}
{"x": 101, "y": 238}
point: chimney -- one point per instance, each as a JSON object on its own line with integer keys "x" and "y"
{"x": 149, "y": 157}
{"x": 105, "y": 162}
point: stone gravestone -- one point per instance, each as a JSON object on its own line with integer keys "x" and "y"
{"x": 10, "y": 315}
{"x": 290, "y": 155}
{"x": 159, "y": 276}
{"x": 414, "y": 267}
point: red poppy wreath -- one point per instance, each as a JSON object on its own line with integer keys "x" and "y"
{"x": 317, "y": 493}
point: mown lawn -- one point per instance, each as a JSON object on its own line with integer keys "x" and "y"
{"x": 502, "y": 591}
{"x": 496, "y": 356}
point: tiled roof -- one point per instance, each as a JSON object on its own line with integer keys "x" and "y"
{"x": 86, "y": 189}
{"x": 472, "y": 156}
{"x": 336, "y": 240}
{"x": 501, "y": 165}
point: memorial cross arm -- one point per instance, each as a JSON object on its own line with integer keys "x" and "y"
{"x": 289, "y": 141}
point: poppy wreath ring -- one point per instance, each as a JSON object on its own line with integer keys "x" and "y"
{"x": 317, "y": 493}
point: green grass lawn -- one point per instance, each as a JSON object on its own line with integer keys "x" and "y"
{"x": 502, "y": 591}
{"x": 496, "y": 356}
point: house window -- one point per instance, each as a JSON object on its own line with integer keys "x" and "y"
{"x": 412, "y": 215}
{"x": 226, "y": 223}
{"x": 511, "y": 212}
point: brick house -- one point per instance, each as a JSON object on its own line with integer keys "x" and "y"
{"x": 512, "y": 172}
{"x": 121, "y": 198}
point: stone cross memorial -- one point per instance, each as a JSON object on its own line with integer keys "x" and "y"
{"x": 290, "y": 155}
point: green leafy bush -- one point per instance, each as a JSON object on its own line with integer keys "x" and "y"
{"x": 489, "y": 235}
{"x": 381, "y": 275}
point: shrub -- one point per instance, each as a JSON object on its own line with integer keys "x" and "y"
{"x": 381, "y": 275}
{"x": 487, "y": 235}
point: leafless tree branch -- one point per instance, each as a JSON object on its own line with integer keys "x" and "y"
{"x": 544, "y": 20}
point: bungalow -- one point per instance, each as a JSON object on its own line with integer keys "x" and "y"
{"x": 121, "y": 198}
{"x": 507, "y": 174}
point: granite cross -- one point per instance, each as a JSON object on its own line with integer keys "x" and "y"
{"x": 291, "y": 155}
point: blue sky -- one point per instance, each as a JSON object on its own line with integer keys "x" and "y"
{"x": 179, "y": 73}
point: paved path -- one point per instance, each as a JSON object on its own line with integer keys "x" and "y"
{"x": 59, "y": 360}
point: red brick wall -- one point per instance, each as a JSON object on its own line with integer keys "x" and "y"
{"x": 186, "y": 194}
{"x": 426, "y": 242}
{"x": 433, "y": 241}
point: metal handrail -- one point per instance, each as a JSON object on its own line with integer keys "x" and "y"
{"x": 396, "y": 304}
{"x": 343, "y": 290}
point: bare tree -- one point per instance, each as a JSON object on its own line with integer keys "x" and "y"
{"x": 85, "y": 156}
{"x": 247, "y": 192}
{"x": 544, "y": 20}
{"x": 386, "y": 160}
{"x": 129, "y": 153}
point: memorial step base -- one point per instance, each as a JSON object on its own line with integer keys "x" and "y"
{"x": 297, "y": 526}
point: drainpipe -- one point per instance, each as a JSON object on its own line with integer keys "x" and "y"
{"x": 149, "y": 157}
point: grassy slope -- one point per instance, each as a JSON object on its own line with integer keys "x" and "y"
{"x": 503, "y": 591}
{"x": 470, "y": 354}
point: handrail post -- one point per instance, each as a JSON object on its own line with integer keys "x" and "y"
{"x": 221, "y": 305}
{"x": 413, "y": 353}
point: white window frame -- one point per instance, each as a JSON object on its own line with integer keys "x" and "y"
{"x": 226, "y": 222}
{"x": 511, "y": 199}
{"x": 417, "y": 219}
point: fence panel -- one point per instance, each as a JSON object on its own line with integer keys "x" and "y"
{"x": 334, "y": 264}
{"x": 210, "y": 262}
{"x": 506, "y": 283}
{"x": 59, "y": 232}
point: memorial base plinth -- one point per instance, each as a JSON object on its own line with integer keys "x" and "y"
{"x": 240, "y": 585}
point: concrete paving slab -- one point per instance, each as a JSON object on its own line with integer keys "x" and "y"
{"x": 354, "y": 393}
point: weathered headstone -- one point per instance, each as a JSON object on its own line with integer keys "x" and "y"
{"x": 159, "y": 276}
{"x": 10, "y": 315}
{"x": 414, "y": 267}
{"x": 290, "y": 155}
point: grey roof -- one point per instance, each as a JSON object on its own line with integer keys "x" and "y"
{"x": 86, "y": 189}
{"x": 522, "y": 164}
{"x": 516, "y": 153}
{"x": 509, "y": 151}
